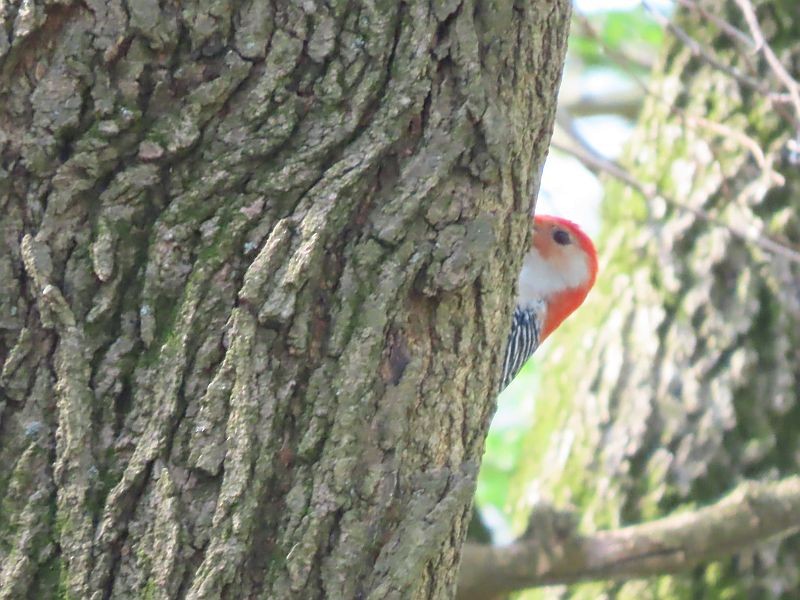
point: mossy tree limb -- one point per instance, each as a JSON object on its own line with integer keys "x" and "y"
{"x": 553, "y": 552}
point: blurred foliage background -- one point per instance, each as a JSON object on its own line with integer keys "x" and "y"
{"x": 612, "y": 48}
{"x": 678, "y": 380}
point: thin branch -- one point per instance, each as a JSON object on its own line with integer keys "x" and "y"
{"x": 749, "y": 515}
{"x": 778, "y": 100}
{"x": 743, "y": 139}
{"x": 707, "y": 55}
{"x": 723, "y": 25}
{"x": 624, "y": 62}
{"x": 622, "y": 105}
{"x": 650, "y": 191}
{"x": 702, "y": 51}
{"x": 774, "y": 63}
{"x": 597, "y": 163}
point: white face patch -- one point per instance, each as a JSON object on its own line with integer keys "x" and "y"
{"x": 541, "y": 278}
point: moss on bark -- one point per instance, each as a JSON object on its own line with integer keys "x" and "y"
{"x": 255, "y": 270}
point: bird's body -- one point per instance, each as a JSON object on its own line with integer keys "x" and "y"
{"x": 522, "y": 342}
{"x": 557, "y": 274}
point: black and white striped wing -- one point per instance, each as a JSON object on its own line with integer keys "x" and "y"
{"x": 522, "y": 343}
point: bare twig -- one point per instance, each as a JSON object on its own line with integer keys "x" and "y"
{"x": 731, "y": 31}
{"x": 778, "y": 100}
{"x": 702, "y": 51}
{"x": 774, "y": 63}
{"x": 751, "y": 514}
{"x": 708, "y": 56}
{"x": 595, "y": 162}
{"x": 625, "y": 105}
{"x": 624, "y": 62}
{"x": 744, "y": 140}
{"x": 650, "y": 191}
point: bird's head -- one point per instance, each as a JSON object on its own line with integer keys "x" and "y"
{"x": 558, "y": 271}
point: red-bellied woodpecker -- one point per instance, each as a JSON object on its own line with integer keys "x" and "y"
{"x": 557, "y": 274}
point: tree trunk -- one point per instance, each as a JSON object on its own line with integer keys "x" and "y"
{"x": 257, "y": 273}
{"x": 692, "y": 382}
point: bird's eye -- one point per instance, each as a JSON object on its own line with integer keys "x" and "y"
{"x": 561, "y": 237}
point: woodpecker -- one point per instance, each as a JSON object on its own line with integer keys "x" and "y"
{"x": 557, "y": 274}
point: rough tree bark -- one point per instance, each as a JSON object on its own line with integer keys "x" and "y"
{"x": 256, "y": 271}
{"x": 692, "y": 383}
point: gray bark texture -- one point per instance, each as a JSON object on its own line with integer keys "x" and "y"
{"x": 256, "y": 271}
{"x": 691, "y": 384}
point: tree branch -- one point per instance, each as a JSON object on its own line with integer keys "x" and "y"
{"x": 769, "y": 54}
{"x": 750, "y": 514}
{"x": 707, "y": 55}
{"x": 598, "y": 164}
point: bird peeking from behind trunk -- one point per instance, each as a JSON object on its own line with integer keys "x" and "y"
{"x": 557, "y": 274}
